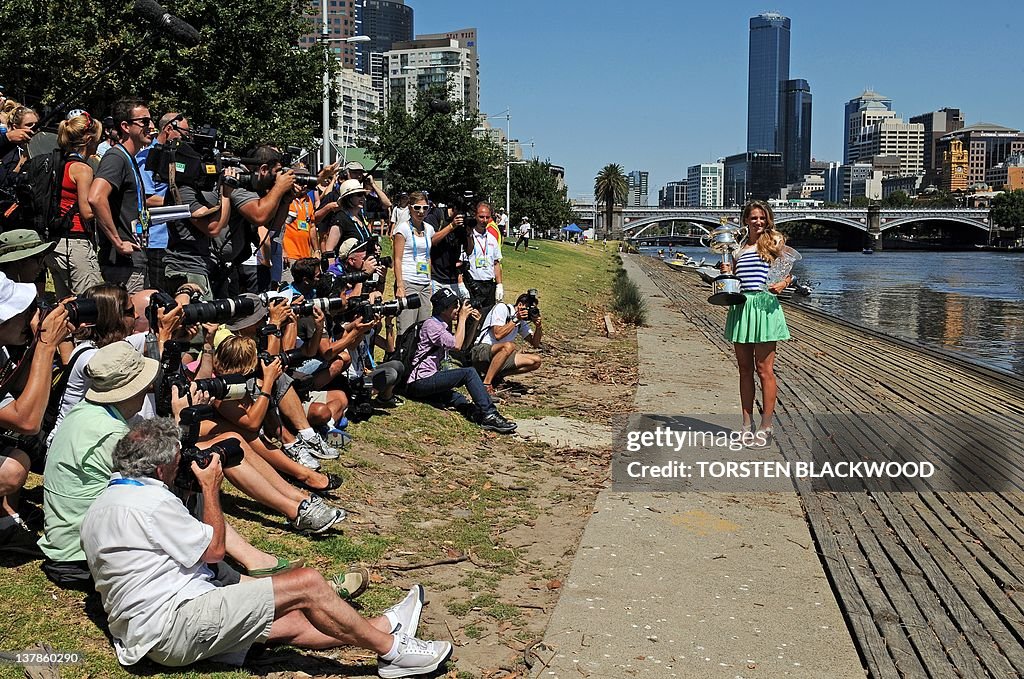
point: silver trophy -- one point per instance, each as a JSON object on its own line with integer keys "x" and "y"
{"x": 724, "y": 241}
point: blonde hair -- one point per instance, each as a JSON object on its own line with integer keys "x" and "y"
{"x": 18, "y": 115}
{"x": 235, "y": 355}
{"x": 771, "y": 242}
{"x": 9, "y": 107}
{"x": 78, "y": 132}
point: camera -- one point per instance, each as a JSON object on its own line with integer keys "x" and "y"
{"x": 466, "y": 205}
{"x": 306, "y": 181}
{"x": 216, "y": 311}
{"x": 80, "y": 311}
{"x": 360, "y": 398}
{"x": 368, "y": 311}
{"x": 230, "y": 449}
{"x": 289, "y": 359}
{"x": 334, "y": 284}
{"x": 532, "y": 305}
{"x": 386, "y": 262}
{"x": 199, "y": 161}
{"x": 225, "y": 387}
{"x": 329, "y": 305}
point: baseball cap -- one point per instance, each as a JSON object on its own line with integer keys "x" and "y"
{"x": 118, "y": 372}
{"x": 20, "y": 244}
{"x": 443, "y": 299}
{"x": 14, "y": 297}
{"x": 349, "y": 247}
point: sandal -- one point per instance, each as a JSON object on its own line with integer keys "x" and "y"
{"x": 352, "y": 583}
{"x": 333, "y": 482}
{"x": 283, "y": 566}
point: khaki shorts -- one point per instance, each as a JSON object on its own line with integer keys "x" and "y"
{"x": 314, "y": 397}
{"x": 220, "y": 625}
{"x": 481, "y": 356}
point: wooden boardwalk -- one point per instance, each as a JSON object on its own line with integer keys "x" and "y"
{"x": 931, "y": 579}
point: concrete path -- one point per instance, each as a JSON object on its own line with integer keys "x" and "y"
{"x": 694, "y": 584}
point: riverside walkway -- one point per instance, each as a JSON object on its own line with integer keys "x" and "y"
{"x": 926, "y": 576}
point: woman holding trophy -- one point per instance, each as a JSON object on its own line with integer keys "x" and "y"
{"x": 762, "y": 265}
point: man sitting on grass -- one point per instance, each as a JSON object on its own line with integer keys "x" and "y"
{"x": 148, "y": 557}
{"x": 495, "y": 355}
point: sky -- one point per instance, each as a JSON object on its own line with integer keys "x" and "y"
{"x": 660, "y": 86}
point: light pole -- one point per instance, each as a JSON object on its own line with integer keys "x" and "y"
{"x": 325, "y": 40}
{"x": 507, "y": 115}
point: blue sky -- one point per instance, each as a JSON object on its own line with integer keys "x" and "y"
{"x": 659, "y": 86}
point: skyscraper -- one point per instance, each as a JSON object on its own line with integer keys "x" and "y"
{"x": 340, "y": 25}
{"x": 768, "y": 70}
{"x": 937, "y": 124}
{"x": 795, "y": 118}
{"x": 637, "y": 188}
{"x": 466, "y": 38}
{"x": 867, "y": 109}
{"x": 386, "y": 22}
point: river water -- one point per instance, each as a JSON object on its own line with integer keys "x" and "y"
{"x": 971, "y": 303}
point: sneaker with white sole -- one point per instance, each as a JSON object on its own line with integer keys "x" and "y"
{"x": 414, "y": 657}
{"x": 316, "y": 517}
{"x": 404, "y": 616}
{"x": 337, "y": 438}
{"x": 318, "y": 448}
{"x": 301, "y": 453}
{"x": 317, "y": 500}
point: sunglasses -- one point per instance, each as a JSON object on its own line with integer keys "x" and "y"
{"x": 141, "y": 122}
{"x": 419, "y": 208}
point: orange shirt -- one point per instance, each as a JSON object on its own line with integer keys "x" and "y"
{"x": 299, "y": 232}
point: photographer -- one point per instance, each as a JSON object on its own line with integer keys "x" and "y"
{"x": 261, "y": 203}
{"x": 377, "y": 203}
{"x": 412, "y": 261}
{"x": 148, "y": 557}
{"x": 447, "y": 248}
{"x": 118, "y": 199}
{"x": 188, "y": 258}
{"x": 495, "y": 355}
{"x": 22, "y": 254}
{"x": 483, "y": 275}
{"x": 347, "y": 222}
{"x": 428, "y": 382}
{"x": 24, "y": 391}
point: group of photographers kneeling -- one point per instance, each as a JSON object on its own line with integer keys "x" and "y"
{"x": 160, "y": 398}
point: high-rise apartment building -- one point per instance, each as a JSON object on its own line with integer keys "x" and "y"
{"x": 937, "y": 124}
{"x": 637, "y": 196}
{"x": 795, "y": 117}
{"x": 466, "y": 38}
{"x": 359, "y": 105}
{"x": 860, "y": 112}
{"x": 891, "y": 136}
{"x": 341, "y": 23}
{"x": 768, "y": 69}
{"x": 385, "y": 22}
{"x": 704, "y": 185}
{"x": 420, "y": 66}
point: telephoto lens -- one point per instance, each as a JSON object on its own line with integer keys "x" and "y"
{"x": 225, "y": 387}
{"x": 218, "y": 310}
{"x": 82, "y": 311}
{"x": 329, "y": 305}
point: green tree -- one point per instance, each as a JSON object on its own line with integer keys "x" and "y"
{"x": 610, "y": 188}
{"x": 437, "y": 152}
{"x": 246, "y": 77}
{"x": 860, "y": 201}
{"x": 1008, "y": 210}
{"x": 537, "y": 195}
{"x": 897, "y": 199}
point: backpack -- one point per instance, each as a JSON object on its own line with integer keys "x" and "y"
{"x": 38, "y": 191}
{"x": 405, "y": 350}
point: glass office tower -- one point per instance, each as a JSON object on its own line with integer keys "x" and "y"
{"x": 795, "y": 119}
{"x": 768, "y": 69}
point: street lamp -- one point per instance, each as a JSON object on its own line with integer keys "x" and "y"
{"x": 507, "y": 115}
{"x": 325, "y": 147}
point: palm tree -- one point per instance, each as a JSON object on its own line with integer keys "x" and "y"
{"x": 610, "y": 187}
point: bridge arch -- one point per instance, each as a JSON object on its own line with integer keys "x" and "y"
{"x": 821, "y": 219}
{"x": 629, "y": 229}
{"x": 896, "y": 223}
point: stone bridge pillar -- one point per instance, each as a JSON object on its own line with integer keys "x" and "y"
{"x": 873, "y": 238}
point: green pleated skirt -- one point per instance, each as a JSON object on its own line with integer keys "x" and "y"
{"x": 760, "y": 319}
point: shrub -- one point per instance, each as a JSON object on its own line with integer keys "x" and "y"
{"x": 627, "y": 300}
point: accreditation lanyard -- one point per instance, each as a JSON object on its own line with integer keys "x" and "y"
{"x": 140, "y": 199}
{"x": 415, "y": 254}
{"x": 125, "y": 482}
{"x": 476, "y": 242}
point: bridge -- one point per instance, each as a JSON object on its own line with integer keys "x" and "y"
{"x": 870, "y": 222}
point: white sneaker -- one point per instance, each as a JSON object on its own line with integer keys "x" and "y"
{"x": 300, "y": 452}
{"x": 415, "y": 657}
{"x": 405, "y": 615}
{"x": 319, "y": 448}
{"x": 316, "y": 517}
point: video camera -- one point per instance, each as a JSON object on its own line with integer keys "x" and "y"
{"x": 199, "y": 162}
{"x": 466, "y": 206}
{"x": 230, "y": 449}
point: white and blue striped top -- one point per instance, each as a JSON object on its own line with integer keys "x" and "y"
{"x": 752, "y": 271}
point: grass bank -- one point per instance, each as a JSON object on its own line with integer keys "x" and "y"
{"x": 423, "y": 486}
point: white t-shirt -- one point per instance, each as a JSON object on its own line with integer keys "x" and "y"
{"x": 144, "y": 552}
{"x": 79, "y": 383}
{"x": 500, "y": 315}
{"x": 399, "y": 215}
{"x": 416, "y": 253}
{"x": 486, "y": 252}
{"x": 524, "y": 230}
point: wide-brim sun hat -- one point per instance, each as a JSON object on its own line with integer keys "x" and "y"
{"x": 20, "y": 244}
{"x": 119, "y": 372}
{"x": 14, "y": 297}
{"x": 350, "y": 187}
